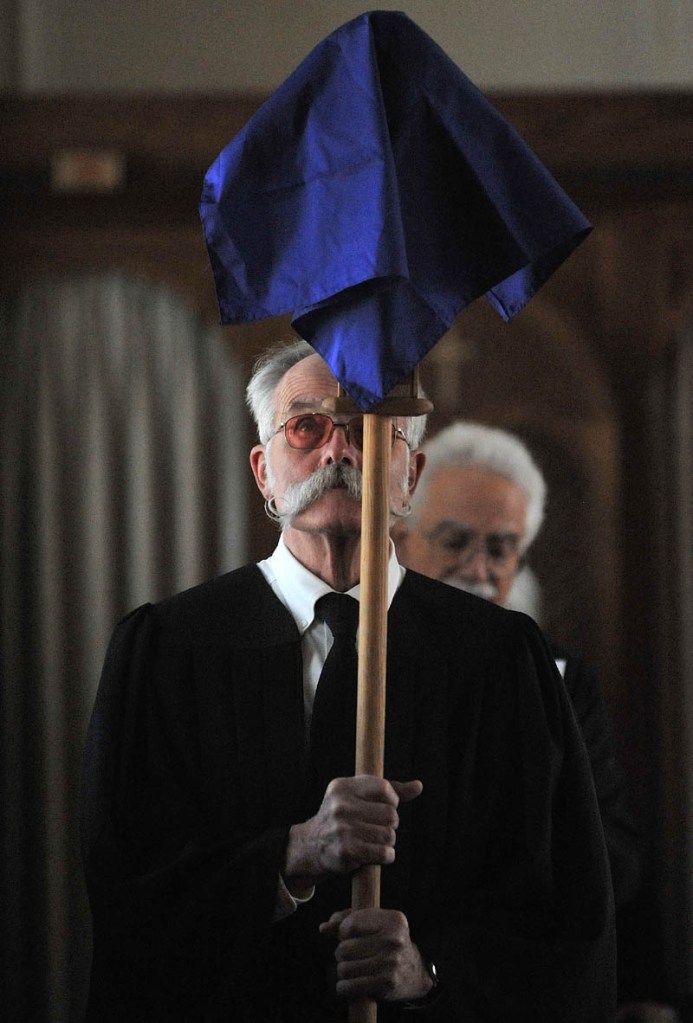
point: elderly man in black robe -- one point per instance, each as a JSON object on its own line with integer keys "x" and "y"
{"x": 221, "y": 829}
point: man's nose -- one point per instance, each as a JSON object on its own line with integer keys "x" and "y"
{"x": 338, "y": 448}
{"x": 475, "y": 567}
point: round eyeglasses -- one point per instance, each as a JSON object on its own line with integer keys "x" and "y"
{"x": 501, "y": 551}
{"x": 313, "y": 430}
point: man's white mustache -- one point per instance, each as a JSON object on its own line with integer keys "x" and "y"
{"x": 299, "y": 496}
{"x": 478, "y": 589}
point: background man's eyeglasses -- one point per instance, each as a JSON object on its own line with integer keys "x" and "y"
{"x": 313, "y": 430}
{"x": 500, "y": 550}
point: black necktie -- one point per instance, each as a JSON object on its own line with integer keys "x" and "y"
{"x": 333, "y": 724}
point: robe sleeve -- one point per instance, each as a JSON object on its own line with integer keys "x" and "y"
{"x": 178, "y": 907}
{"x": 622, "y": 838}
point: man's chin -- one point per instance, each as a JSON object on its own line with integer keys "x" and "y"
{"x": 335, "y": 508}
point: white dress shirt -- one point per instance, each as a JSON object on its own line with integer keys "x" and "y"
{"x": 298, "y": 589}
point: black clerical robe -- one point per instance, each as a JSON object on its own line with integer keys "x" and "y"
{"x": 194, "y": 771}
{"x": 620, "y": 831}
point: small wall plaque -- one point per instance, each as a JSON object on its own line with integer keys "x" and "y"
{"x": 96, "y": 171}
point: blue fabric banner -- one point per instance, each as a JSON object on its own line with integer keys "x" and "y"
{"x": 375, "y": 195}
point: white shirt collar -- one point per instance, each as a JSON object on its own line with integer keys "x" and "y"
{"x": 298, "y": 589}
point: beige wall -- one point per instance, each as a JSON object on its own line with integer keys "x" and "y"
{"x": 230, "y": 45}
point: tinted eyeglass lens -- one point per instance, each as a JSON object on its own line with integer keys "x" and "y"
{"x": 355, "y": 432}
{"x": 314, "y": 430}
{"x": 306, "y": 432}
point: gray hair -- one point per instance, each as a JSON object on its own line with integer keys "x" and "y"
{"x": 269, "y": 370}
{"x": 472, "y": 445}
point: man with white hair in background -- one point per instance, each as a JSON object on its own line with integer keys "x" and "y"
{"x": 480, "y": 484}
{"x": 477, "y": 510}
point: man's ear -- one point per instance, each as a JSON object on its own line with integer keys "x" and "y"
{"x": 258, "y": 463}
{"x": 417, "y": 461}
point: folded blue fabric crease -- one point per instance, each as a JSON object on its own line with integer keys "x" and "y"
{"x": 375, "y": 195}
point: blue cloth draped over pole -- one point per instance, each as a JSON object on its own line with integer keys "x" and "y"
{"x": 375, "y": 195}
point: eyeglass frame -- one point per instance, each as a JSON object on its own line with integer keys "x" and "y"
{"x": 397, "y": 431}
{"x": 478, "y": 544}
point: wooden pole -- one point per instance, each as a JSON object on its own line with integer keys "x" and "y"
{"x": 372, "y": 651}
{"x": 370, "y": 712}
